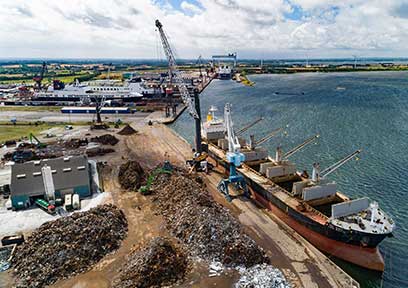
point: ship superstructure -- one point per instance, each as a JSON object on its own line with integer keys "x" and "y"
{"x": 224, "y": 65}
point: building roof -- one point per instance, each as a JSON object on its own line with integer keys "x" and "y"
{"x": 67, "y": 172}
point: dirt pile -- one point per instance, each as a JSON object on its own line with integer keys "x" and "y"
{"x": 207, "y": 228}
{"x": 131, "y": 175}
{"x": 75, "y": 143}
{"x": 98, "y": 151}
{"x": 106, "y": 139}
{"x": 127, "y": 130}
{"x": 68, "y": 246}
{"x": 158, "y": 264}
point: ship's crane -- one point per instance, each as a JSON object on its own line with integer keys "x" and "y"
{"x": 317, "y": 174}
{"x": 253, "y": 144}
{"x": 234, "y": 158}
{"x": 279, "y": 151}
{"x": 248, "y": 126}
{"x": 38, "y": 79}
{"x": 175, "y": 75}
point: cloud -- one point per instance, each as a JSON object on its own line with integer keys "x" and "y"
{"x": 256, "y": 28}
{"x": 190, "y": 8}
{"x": 24, "y": 10}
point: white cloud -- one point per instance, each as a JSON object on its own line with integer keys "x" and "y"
{"x": 190, "y": 8}
{"x": 256, "y": 28}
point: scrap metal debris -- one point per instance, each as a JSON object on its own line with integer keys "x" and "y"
{"x": 159, "y": 263}
{"x": 98, "y": 151}
{"x": 106, "y": 139}
{"x": 207, "y": 228}
{"x": 131, "y": 175}
{"x": 5, "y": 256}
{"x": 261, "y": 276}
{"x": 216, "y": 269}
{"x": 68, "y": 246}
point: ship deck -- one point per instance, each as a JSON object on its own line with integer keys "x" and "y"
{"x": 275, "y": 189}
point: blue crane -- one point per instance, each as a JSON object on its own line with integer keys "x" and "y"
{"x": 234, "y": 159}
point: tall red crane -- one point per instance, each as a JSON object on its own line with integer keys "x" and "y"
{"x": 38, "y": 79}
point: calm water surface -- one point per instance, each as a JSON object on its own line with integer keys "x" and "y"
{"x": 349, "y": 111}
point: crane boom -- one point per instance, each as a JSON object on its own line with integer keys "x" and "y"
{"x": 233, "y": 143}
{"x": 248, "y": 126}
{"x": 267, "y": 137}
{"x": 38, "y": 79}
{"x": 338, "y": 164}
{"x": 297, "y": 148}
{"x": 174, "y": 74}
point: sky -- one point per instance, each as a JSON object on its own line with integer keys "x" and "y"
{"x": 255, "y": 29}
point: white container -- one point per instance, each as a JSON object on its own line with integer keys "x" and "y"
{"x": 76, "y": 205}
{"x": 68, "y": 202}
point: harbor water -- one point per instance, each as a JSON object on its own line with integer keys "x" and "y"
{"x": 367, "y": 110}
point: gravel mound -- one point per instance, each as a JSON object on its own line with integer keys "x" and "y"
{"x": 157, "y": 264}
{"x": 208, "y": 229}
{"x": 131, "y": 175}
{"x": 262, "y": 276}
{"x": 106, "y": 139}
{"x": 68, "y": 246}
{"x": 127, "y": 130}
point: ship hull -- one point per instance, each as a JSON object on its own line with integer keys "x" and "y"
{"x": 224, "y": 76}
{"x": 354, "y": 247}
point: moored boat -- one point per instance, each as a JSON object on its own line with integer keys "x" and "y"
{"x": 349, "y": 229}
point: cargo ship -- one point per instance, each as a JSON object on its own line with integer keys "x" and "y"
{"x": 349, "y": 229}
{"x": 131, "y": 91}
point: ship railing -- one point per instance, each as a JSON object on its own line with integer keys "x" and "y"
{"x": 310, "y": 208}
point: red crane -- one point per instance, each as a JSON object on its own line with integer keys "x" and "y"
{"x": 38, "y": 79}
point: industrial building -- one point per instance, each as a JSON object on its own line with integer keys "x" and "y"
{"x": 49, "y": 179}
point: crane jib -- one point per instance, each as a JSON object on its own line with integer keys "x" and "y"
{"x": 175, "y": 74}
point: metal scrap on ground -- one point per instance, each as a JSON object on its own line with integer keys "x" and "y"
{"x": 131, "y": 175}
{"x": 68, "y": 246}
{"x": 261, "y": 276}
{"x": 106, "y": 139}
{"x": 159, "y": 263}
{"x": 204, "y": 226}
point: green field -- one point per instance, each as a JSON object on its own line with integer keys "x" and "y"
{"x": 30, "y": 108}
{"x": 11, "y": 132}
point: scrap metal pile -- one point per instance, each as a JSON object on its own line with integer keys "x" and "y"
{"x": 208, "y": 229}
{"x": 68, "y": 246}
{"x": 262, "y": 275}
{"x": 106, "y": 139}
{"x": 131, "y": 175}
{"x": 159, "y": 263}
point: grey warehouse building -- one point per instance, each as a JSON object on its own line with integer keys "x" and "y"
{"x": 67, "y": 175}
